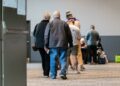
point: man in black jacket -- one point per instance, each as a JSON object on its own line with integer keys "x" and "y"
{"x": 39, "y": 43}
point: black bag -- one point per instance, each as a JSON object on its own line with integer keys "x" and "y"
{"x": 101, "y": 60}
{"x": 34, "y": 48}
{"x": 34, "y": 34}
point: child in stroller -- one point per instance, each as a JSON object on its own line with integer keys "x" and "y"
{"x": 102, "y": 57}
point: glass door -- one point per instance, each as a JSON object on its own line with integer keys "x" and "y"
{"x": 0, "y": 42}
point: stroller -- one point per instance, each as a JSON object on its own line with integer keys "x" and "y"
{"x": 102, "y": 57}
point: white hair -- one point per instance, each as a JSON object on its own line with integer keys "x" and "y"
{"x": 56, "y": 14}
{"x": 46, "y": 16}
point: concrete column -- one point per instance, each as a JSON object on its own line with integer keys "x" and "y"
{"x": 0, "y": 43}
{"x": 15, "y": 48}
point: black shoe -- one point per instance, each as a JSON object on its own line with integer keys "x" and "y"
{"x": 63, "y": 77}
{"x": 46, "y": 76}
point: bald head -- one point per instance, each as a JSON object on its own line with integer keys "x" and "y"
{"x": 56, "y": 14}
{"x": 46, "y": 16}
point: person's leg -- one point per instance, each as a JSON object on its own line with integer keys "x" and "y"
{"x": 68, "y": 58}
{"x": 84, "y": 54}
{"x": 42, "y": 53}
{"x": 79, "y": 56}
{"x": 63, "y": 62}
{"x": 73, "y": 61}
{"x": 94, "y": 53}
{"x": 53, "y": 64}
{"x": 89, "y": 54}
{"x": 58, "y": 63}
{"x": 47, "y": 64}
{"x": 80, "y": 60}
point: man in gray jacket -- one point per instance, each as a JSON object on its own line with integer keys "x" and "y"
{"x": 57, "y": 36}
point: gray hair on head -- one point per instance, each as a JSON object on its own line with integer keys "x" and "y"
{"x": 46, "y": 15}
{"x": 56, "y": 14}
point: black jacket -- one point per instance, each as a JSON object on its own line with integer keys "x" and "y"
{"x": 39, "y": 33}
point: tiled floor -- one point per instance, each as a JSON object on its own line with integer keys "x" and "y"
{"x": 94, "y": 75}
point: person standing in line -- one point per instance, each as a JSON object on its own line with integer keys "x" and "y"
{"x": 92, "y": 38}
{"x": 39, "y": 43}
{"x": 57, "y": 38}
{"x": 73, "y": 51}
{"x": 70, "y": 18}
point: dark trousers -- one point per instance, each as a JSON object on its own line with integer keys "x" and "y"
{"x": 45, "y": 61}
{"x": 84, "y": 55}
{"x": 92, "y": 53}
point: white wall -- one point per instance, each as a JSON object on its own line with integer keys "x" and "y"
{"x": 104, "y": 14}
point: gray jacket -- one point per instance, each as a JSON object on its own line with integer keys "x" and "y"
{"x": 57, "y": 34}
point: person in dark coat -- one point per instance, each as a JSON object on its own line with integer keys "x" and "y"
{"x": 39, "y": 43}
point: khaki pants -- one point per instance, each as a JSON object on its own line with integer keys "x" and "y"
{"x": 79, "y": 57}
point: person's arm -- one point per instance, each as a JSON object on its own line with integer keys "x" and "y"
{"x": 34, "y": 32}
{"x": 87, "y": 37}
{"x": 77, "y": 23}
{"x": 78, "y": 34}
{"x": 46, "y": 35}
{"x": 98, "y": 36}
{"x": 69, "y": 35}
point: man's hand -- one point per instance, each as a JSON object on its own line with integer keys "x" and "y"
{"x": 47, "y": 50}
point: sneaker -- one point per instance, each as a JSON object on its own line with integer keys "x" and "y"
{"x": 63, "y": 77}
{"x": 82, "y": 68}
{"x": 46, "y": 76}
{"x": 53, "y": 77}
{"x": 72, "y": 68}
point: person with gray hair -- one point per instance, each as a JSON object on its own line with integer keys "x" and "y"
{"x": 39, "y": 43}
{"x": 57, "y": 38}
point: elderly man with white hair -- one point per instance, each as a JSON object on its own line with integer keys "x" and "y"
{"x": 39, "y": 43}
{"x": 57, "y": 37}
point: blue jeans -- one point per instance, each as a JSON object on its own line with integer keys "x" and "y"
{"x": 60, "y": 53}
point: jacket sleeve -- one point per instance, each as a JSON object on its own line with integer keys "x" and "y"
{"x": 87, "y": 36}
{"x": 46, "y": 35}
{"x": 35, "y": 30}
{"x": 69, "y": 35}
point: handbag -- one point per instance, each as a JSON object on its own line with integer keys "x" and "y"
{"x": 34, "y": 34}
{"x": 34, "y": 48}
